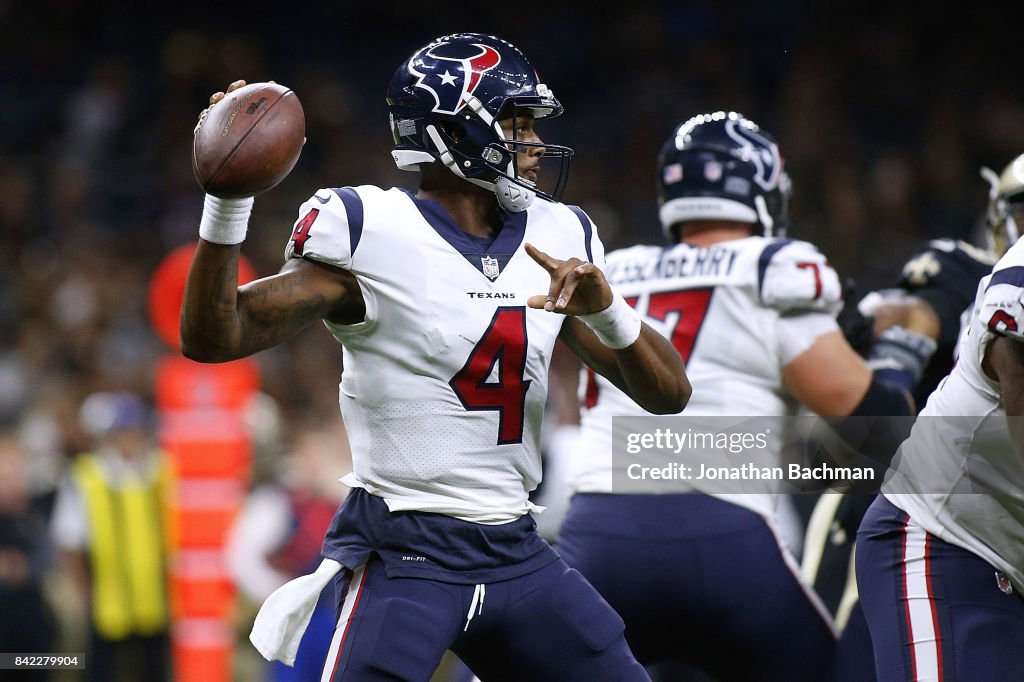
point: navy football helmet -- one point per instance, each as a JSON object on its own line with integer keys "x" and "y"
{"x": 1005, "y": 215}
{"x": 722, "y": 166}
{"x": 467, "y": 82}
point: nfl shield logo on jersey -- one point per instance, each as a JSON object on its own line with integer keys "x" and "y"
{"x": 491, "y": 269}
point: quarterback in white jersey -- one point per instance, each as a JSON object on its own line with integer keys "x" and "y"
{"x": 705, "y": 579}
{"x": 447, "y": 302}
{"x": 448, "y": 351}
{"x": 935, "y": 291}
{"x": 940, "y": 554}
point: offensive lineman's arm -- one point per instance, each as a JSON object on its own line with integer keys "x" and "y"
{"x": 649, "y": 370}
{"x": 830, "y": 378}
{"x": 819, "y": 366}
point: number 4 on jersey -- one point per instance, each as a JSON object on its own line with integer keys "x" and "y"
{"x": 500, "y": 352}
{"x": 301, "y": 232}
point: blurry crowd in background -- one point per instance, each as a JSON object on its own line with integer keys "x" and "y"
{"x": 886, "y": 112}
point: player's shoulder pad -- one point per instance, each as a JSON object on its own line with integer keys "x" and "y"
{"x": 1002, "y": 308}
{"x": 794, "y": 276}
{"x": 329, "y": 225}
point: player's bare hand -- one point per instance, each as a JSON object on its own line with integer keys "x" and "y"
{"x": 216, "y": 97}
{"x": 577, "y": 287}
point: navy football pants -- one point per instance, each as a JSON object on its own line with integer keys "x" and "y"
{"x": 700, "y": 581}
{"x": 935, "y": 611}
{"x": 546, "y": 625}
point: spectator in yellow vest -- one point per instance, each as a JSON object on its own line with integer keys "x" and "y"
{"x": 109, "y": 523}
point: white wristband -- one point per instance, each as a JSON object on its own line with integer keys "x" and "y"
{"x": 617, "y": 326}
{"x": 225, "y": 220}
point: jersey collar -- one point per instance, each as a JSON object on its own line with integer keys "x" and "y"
{"x": 489, "y": 259}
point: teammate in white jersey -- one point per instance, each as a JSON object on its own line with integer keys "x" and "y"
{"x": 447, "y": 302}
{"x": 705, "y": 578}
{"x": 934, "y": 293}
{"x": 940, "y": 554}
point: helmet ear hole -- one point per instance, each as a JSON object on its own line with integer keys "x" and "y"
{"x": 455, "y": 131}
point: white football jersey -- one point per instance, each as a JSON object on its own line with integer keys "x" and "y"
{"x": 958, "y": 475}
{"x": 444, "y": 383}
{"x": 737, "y": 312}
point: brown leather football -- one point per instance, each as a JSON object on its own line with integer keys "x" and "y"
{"x": 249, "y": 141}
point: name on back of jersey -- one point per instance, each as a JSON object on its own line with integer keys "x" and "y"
{"x": 714, "y": 261}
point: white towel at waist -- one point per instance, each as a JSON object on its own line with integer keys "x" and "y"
{"x": 286, "y": 613}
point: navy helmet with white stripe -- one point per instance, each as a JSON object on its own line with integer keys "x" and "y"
{"x": 444, "y": 104}
{"x": 722, "y": 166}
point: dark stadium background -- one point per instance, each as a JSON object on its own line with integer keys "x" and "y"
{"x": 884, "y": 112}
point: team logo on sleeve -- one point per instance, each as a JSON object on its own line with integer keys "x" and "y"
{"x": 1002, "y": 322}
{"x": 452, "y": 87}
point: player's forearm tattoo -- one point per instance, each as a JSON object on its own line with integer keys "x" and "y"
{"x": 287, "y": 286}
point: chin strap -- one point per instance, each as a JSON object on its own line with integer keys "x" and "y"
{"x": 512, "y": 196}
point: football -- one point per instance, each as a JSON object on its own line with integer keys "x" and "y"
{"x": 249, "y": 141}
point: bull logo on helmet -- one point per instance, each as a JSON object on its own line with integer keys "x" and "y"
{"x": 453, "y": 86}
{"x": 759, "y": 151}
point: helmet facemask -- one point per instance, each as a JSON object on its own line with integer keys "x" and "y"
{"x": 488, "y": 156}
